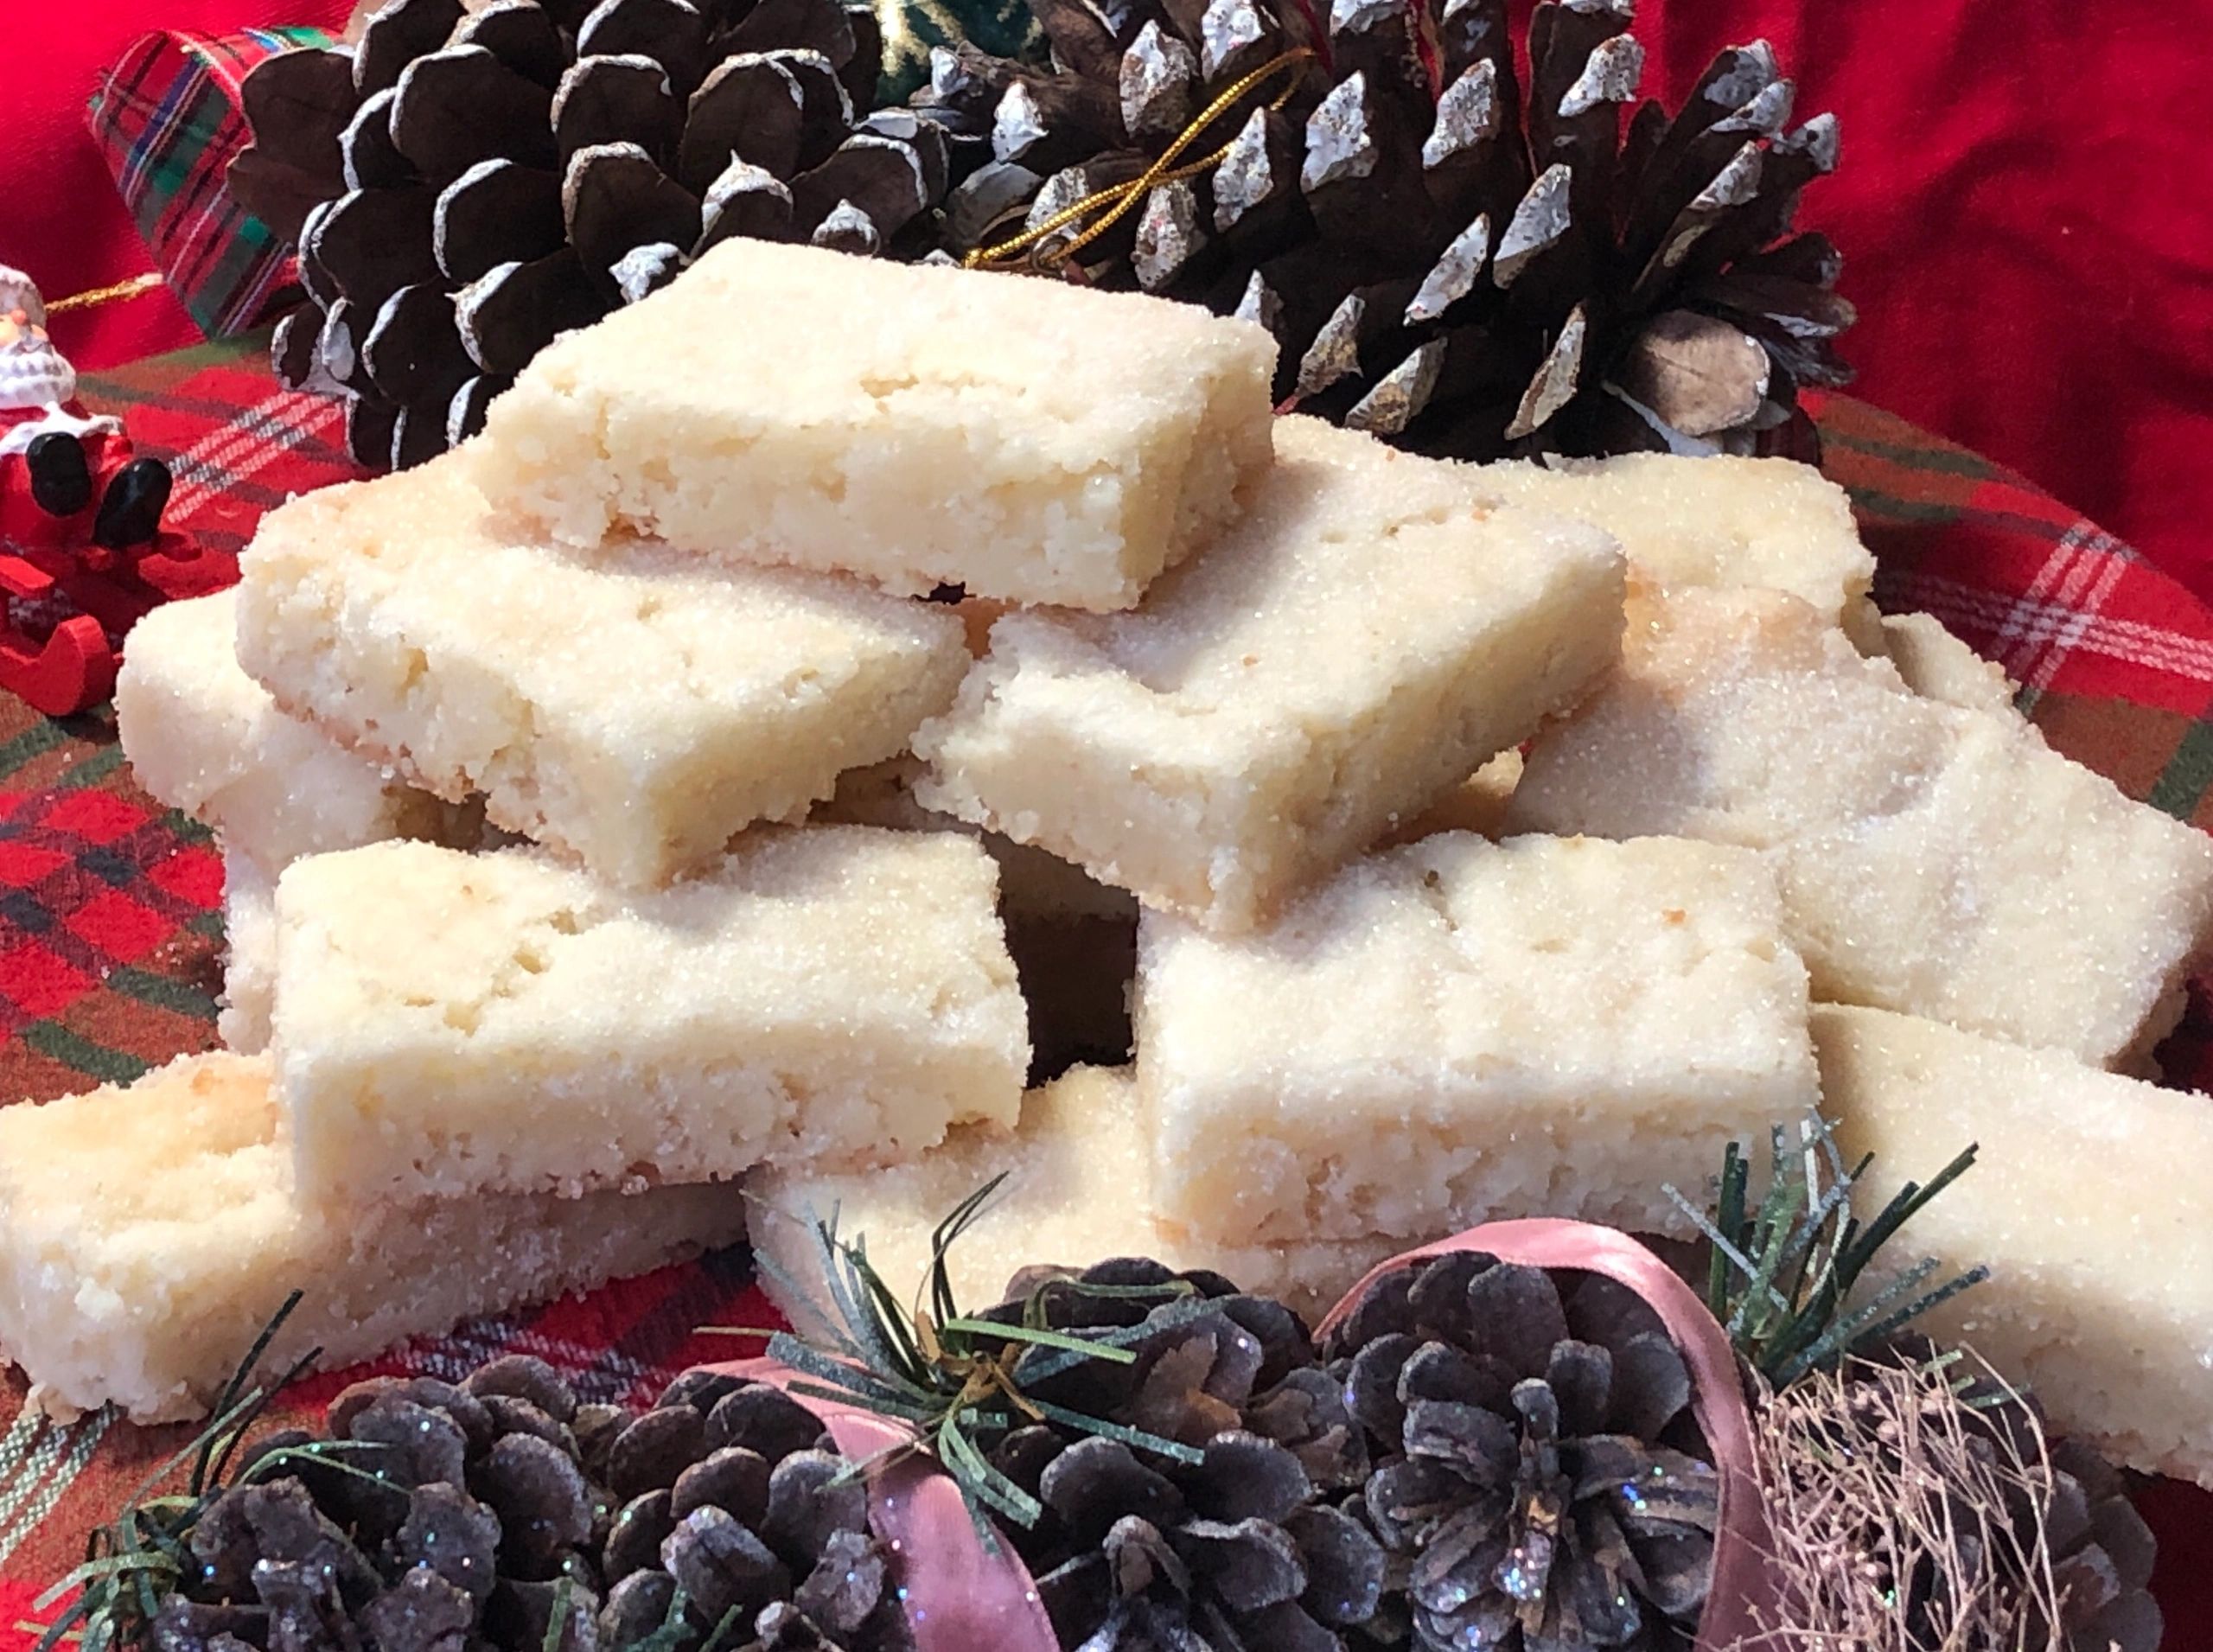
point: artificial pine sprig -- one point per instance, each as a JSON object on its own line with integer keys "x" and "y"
{"x": 958, "y": 1380}
{"x": 144, "y": 1554}
{"x": 1782, "y": 1273}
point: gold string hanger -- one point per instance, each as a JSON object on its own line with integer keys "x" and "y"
{"x": 99, "y": 296}
{"x": 1120, "y": 197}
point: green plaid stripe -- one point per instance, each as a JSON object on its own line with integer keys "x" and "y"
{"x": 2116, "y": 662}
{"x": 168, "y": 120}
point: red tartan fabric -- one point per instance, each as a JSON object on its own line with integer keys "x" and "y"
{"x": 109, "y": 927}
{"x": 61, "y": 218}
{"x": 168, "y": 120}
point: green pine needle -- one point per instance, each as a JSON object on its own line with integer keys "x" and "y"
{"x": 1040, "y": 1337}
{"x": 556, "y": 1620}
{"x": 142, "y": 1554}
{"x": 1783, "y": 1274}
{"x": 958, "y": 1380}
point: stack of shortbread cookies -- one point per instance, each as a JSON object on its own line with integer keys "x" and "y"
{"x": 626, "y": 805}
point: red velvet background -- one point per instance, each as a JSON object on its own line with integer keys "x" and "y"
{"x": 2022, "y": 205}
{"x": 61, "y": 219}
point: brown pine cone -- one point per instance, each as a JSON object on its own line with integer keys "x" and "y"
{"x": 1139, "y": 1549}
{"x": 463, "y": 185}
{"x": 469, "y": 1514}
{"x": 733, "y": 1498}
{"x": 1454, "y": 259}
{"x": 1538, "y": 1483}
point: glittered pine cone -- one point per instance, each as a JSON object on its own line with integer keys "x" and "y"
{"x": 2102, "y": 1555}
{"x": 1452, "y": 257}
{"x": 1538, "y": 1483}
{"x": 462, "y": 185}
{"x": 1238, "y": 1548}
{"x": 1232, "y": 1541}
{"x": 1214, "y": 1350}
{"x": 733, "y": 1504}
{"x": 499, "y": 1512}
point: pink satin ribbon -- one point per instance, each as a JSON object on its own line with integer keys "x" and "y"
{"x": 959, "y": 1597}
{"x": 1740, "y": 1599}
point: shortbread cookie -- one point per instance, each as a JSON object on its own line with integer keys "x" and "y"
{"x": 1936, "y": 665}
{"x": 636, "y": 712}
{"x": 1935, "y": 860}
{"x": 1370, "y": 633}
{"x": 2089, "y": 1202}
{"x": 1028, "y": 440}
{"x": 1073, "y": 939}
{"x": 447, "y": 1023}
{"x": 204, "y": 738}
{"x": 148, "y": 1234}
{"x": 1723, "y": 521}
{"x": 249, "y": 953}
{"x": 1034, "y": 885}
{"x": 1076, "y": 1171}
{"x": 1460, "y": 1029}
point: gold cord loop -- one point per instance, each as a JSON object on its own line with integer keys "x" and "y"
{"x": 1120, "y": 197}
{"x": 131, "y": 288}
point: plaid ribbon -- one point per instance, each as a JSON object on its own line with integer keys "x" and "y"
{"x": 110, "y": 928}
{"x": 168, "y": 119}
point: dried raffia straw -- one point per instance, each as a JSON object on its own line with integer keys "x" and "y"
{"x": 1118, "y": 199}
{"x": 1880, "y": 1471}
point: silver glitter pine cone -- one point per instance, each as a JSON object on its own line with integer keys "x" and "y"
{"x": 1453, "y": 258}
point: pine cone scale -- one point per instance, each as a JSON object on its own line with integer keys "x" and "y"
{"x": 1551, "y": 254}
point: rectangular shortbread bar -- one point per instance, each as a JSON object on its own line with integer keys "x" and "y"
{"x": 1076, "y": 1173}
{"x": 203, "y": 737}
{"x": 148, "y": 1234}
{"x": 1460, "y": 1030}
{"x": 1028, "y": 440}
{"x": 2089, "y": 1202}
{"x": 249, "y": 953}
{"x": 1935, "y": 860}
{"x": 635, "y": 715}
{"x": 1721, "y": 521}
{"x": 446, "y": 1022}
{"x": 1371, "y": 632}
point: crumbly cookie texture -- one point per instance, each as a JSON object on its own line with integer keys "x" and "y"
{"x": 1477, "y": 804}
{"x": 1460, "y": 1029}
{"x": 1374, "y": 630}
{"x": 635, "y": 712}
{"x": 2089, "y": 1202}
{"x": 1028, "y": 440}
{"x": 1723, "y": 521}
{"x": 249, "y": 953}
{"x": 1934, "y": 858}
{"x": 1936, "y": 665}
{"x": 1076, "y": 1171}
{"x": 203, "y": 737}
{"x": 148, "y": 1234}
{"x": 837, "y": 993}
